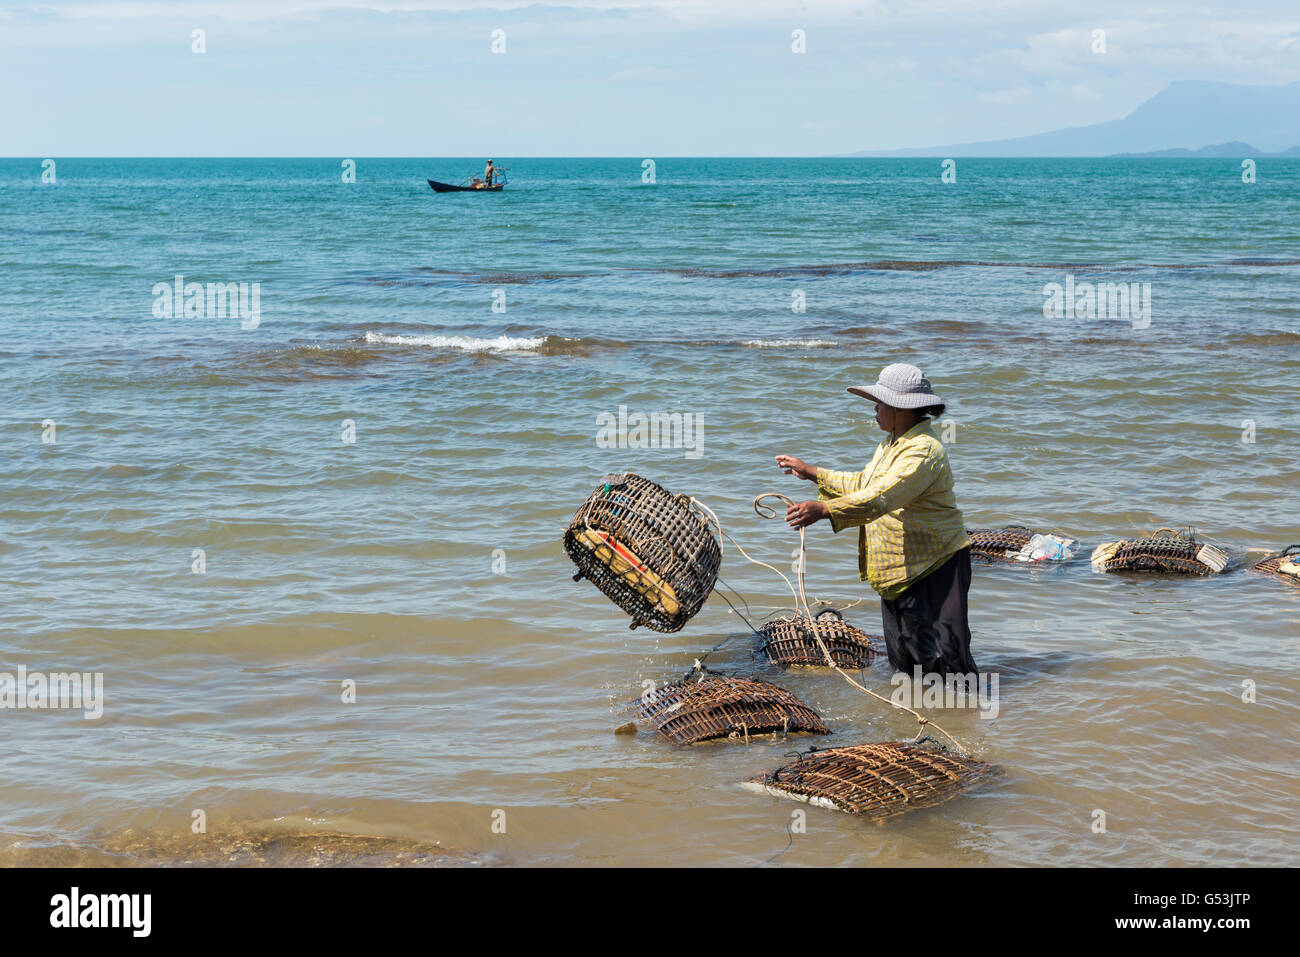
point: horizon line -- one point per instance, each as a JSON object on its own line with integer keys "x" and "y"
{"x": 812, "y": 156}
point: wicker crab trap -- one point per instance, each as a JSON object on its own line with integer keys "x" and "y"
{"x": 1285, "y": 564}
{"x": 1167, "y": 550}
{"x": 790, "y": 641}
{"x": 719, "y": 706}
{"x": 651, "y": 552}
{"x": 993, "y": 544}
{"x": 874, "y": 781}
{"x": 1011, "y": 544}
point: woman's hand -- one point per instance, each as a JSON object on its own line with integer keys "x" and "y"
{"x": 803, "y": 514}
{"x": 794, "y": 466}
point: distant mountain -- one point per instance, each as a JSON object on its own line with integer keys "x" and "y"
{"x": 1186, "y": 115}
{"x": 1222, "y": 150}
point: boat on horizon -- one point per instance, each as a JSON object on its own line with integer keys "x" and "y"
{"x": 471, "y": 185}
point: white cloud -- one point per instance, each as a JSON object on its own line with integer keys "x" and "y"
{"x": 877, "y": 72}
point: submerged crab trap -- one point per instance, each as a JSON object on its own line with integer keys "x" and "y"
{"x": 874, "y": 781}
{"x": 1284, "y": 565}
{"x": 1018, "y": 545}
{"x": 790, "y": 641}
{"x": 718, "y": 706}
{"x": 651, "y": 552}
{"x": 1167, "y": 550}
{"x": 993, "y": 544}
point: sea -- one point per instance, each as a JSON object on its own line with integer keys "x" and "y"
{"x": 291, "y": 446}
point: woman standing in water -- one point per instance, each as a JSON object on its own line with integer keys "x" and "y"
{"x": 912, "y": 543}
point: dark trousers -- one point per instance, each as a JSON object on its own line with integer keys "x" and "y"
{"x": 926, "y": 625}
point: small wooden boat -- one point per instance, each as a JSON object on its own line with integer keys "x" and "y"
{"x": 449, "y": 188}
{"x": 475, "y": 185}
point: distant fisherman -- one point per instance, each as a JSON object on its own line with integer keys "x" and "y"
{"x": 912, "y": 543}
{"x": 488, "y": 173}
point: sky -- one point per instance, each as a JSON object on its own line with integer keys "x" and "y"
{"x": 601, "y": 78}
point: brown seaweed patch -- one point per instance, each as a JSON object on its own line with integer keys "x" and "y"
{"x": 564, "y": 346}
{"x": 431, "y": 275}
{"x": 315, "y": 361}
{"x": 1262, "y": 339}
{"x": 241, "y": 848}
{"x": 423, "y": 276}
{"x": 324, "y": 355}
{"x": 828, "y": 269}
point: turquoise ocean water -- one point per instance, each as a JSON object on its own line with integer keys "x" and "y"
{"x": 379, "y": 469}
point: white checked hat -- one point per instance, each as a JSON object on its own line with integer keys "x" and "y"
{"x": 902, "y": 386}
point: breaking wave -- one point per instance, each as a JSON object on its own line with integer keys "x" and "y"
{"x": 546, "y": 345}
{"x": 463, "y": 343}
{"x": 788, "y": 343}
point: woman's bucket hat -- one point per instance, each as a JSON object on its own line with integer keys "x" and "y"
{"x": 902, "y": 386}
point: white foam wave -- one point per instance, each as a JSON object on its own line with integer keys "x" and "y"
{"x": 464, "y": 343}
{"x": 787, "y": 343}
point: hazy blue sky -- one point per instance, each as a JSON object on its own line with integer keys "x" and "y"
{"x": 606, "y": 78}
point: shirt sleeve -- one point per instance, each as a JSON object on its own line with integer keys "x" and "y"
{"x": 832, "y": 484}
{"x": 911, "y": 474}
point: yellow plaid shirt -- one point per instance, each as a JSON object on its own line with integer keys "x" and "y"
{"x": 904, "y": 505}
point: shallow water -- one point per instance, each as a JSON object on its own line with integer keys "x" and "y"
{"x": 423, "y": 563}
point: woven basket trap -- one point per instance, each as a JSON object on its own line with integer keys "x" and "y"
{"x": 790, "y": 641}
{"x": 672, "y": 555}
{"x": 1166, "y": 551}
{"x": 714, "y": 706}
{"x": 1270, "y": 564}
{"x": 992, "y": 544}
{"x": 875, "y": 781}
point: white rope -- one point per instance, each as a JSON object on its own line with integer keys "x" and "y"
{"x": 801, "y": 600}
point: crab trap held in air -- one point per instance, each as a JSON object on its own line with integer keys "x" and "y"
{"x": 649, "y": 551}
